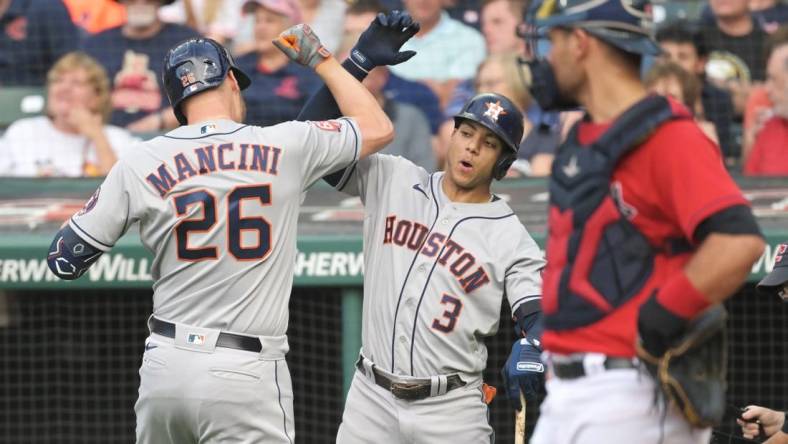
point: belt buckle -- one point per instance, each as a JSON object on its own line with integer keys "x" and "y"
{"x": 406, "y": 390}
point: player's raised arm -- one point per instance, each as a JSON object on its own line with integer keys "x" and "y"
{"x": 304, "y": 47}
{"x": 378, "y": 45}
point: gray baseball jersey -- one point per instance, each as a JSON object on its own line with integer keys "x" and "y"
{"x": 218, "y": 205}
{"x": 436, "y": 271}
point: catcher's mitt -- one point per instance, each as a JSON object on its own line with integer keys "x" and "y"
{"x": 692, "y": 372}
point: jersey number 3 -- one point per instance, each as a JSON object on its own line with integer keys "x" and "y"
{"x": 236, "y": 224}
{"x": 451, "y": 315}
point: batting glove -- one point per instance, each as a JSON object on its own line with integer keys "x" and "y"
{"x": 524, "y": 371}
{"x": 302, "y": 45}
{"x": 379, "y": 44}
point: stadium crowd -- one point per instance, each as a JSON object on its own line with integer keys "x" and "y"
{"x": 97, "y": 63}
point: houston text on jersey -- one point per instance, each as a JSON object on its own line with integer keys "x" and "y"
{"x": 412, "y": 235}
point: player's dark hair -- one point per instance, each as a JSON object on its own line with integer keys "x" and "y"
{"x": 681, "y": 31}
{"x": 365, "y": 6}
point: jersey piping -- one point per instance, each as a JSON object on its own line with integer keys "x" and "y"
{"x": 429, "y": 276}
{"x": 88, "y": 238}
{"x": 407, "y": 276}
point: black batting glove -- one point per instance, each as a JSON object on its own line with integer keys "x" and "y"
{"x": 379, "y": 44}
{"x": 523, "y": 371}
{"x": 658, "y": 327}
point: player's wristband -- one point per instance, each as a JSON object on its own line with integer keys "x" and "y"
{"x": 361, "y": 61}
{"x": 785, "y": 424}
{"x": 681, "y": 297}
{"x": 356, "y": 71}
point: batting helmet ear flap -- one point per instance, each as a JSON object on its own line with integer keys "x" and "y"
{"x": 504, "y": 163}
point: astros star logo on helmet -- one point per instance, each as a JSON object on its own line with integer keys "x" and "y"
{"x": 494, "y": 110}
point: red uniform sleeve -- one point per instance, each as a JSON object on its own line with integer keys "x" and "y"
{"x": 692, "y": 182}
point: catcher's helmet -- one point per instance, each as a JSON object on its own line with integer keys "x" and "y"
{"x": 498, "y": 114}
{"x": 625, "y": 24}
{"x": 196, "y": 65}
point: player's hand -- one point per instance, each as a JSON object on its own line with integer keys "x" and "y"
{"x": 658, "y": 327}
{"x": 754, "y": 418}
{"x": 524, "y": 371}
{"x": 379, "y": 44}
{"x": 302, "y": 45}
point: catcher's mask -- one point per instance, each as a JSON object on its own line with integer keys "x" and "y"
{"x": 196, "y": 65}
{"x": 624, "y": 24}
{"x": 499, "y": 115}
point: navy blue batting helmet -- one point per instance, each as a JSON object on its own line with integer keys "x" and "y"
{"x": 196, "y": 65}
{"x": 498, "y": 114}
{"x": 625, "y": 24}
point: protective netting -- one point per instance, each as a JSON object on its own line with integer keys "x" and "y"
{"x": 69, "y": 361}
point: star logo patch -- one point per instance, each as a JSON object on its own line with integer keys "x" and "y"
{"x": 494, "y": 110}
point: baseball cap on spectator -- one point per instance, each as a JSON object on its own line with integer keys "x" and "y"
{"x": 779, "y": 275}
{"x": 287, "y": 8}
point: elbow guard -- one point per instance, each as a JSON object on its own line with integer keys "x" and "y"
{"x": 70, "y": 256}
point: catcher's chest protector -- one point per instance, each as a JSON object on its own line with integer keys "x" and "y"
{"x": 596, "y": 258}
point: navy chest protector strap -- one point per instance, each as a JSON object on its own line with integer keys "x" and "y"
{"x": 598, "y": 259}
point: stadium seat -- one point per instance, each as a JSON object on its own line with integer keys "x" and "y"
{"x": 19, "y": 102}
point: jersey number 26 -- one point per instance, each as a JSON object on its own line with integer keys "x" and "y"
{"x": 235, "y": 223}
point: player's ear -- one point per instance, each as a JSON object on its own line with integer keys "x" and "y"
{"x": 233, "y": 81}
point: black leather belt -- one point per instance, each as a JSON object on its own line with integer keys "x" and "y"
{"x": 575, "y": 369}
{"x": 227, "y": 340}
{"x": 411, "y": 390}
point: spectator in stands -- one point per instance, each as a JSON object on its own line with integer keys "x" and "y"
{"x": 412, "y": 136}
{"x": 133, "y": 55}
{"x": 325, "y": 17}
{"x": 769, "y": 14}
{"x": 217, "y": 19}
{"x": 464, "y": 11}
{"x": 759, "y": 108}
{"x": 736, "y": 46}
{"x": 280, "y": 87}
{"x": 449, "y": 51}
{"x": 500, "y": 20}
{"x": 359, "y": 15}
{"x": 34, "y": 36}
{"x": 769, "y": 154}
{"x": 94, "y": 16}
{"x": 72, "y": 140}
{"x": 684, "y": 46}
{"x": 670, "y": 79}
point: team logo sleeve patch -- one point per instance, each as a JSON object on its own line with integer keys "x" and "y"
{"x": 328, "y": 125}
{"x": 91, "y": 203}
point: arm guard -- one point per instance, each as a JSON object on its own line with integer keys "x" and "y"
{"x": 70, "y": 256}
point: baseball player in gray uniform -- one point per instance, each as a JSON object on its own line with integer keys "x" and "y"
{"x": 440, "y": 254}
{"x": 217, "y": 203}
